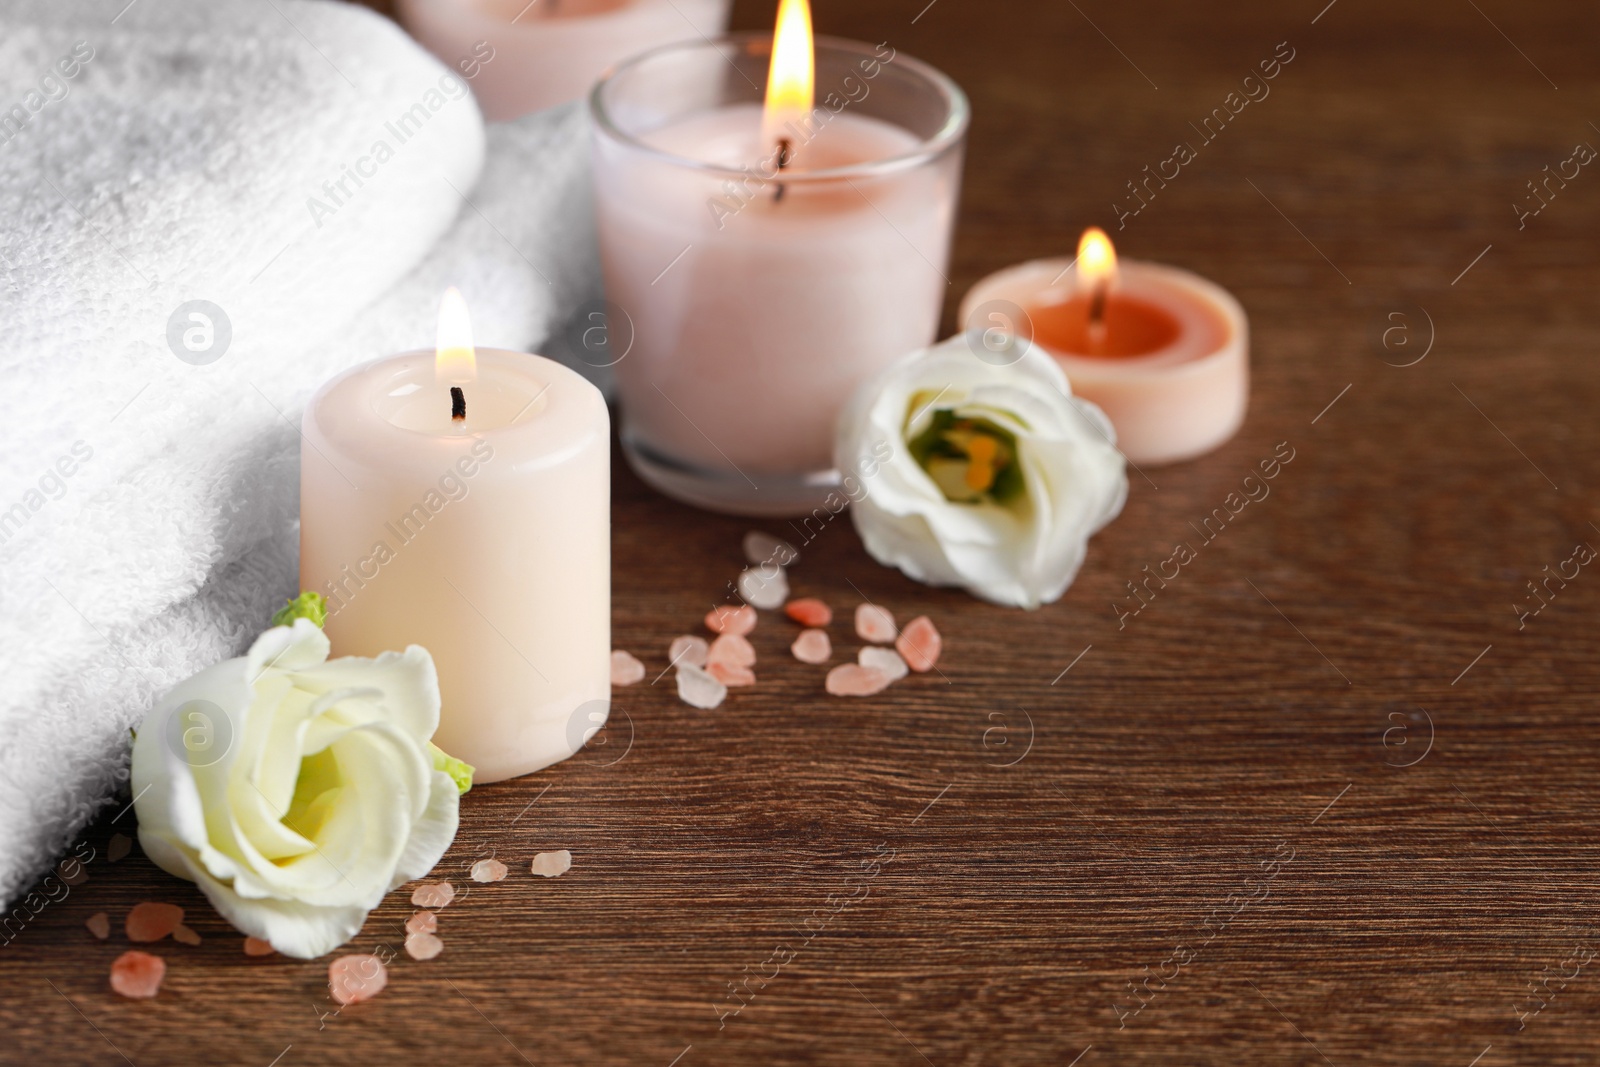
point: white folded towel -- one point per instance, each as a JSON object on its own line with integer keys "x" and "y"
{"x": 224, "y": 151}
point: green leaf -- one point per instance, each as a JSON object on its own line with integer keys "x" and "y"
{"x": 307, "y": 605}
{"x": 459, "y": 771}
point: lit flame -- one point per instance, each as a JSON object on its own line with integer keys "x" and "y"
{"x": 456, "y": 361}
{"x": 1097, "y": 260}
{"x": 791, "y": 79}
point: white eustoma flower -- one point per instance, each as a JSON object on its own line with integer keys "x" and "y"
{"x": 295, "y": 791}
{"x": 980, "y": 469}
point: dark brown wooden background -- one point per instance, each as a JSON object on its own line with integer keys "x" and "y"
{"x": 1245, "y": 714}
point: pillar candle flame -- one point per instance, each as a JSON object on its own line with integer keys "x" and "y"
{"x": 456, "y": 361}
{"x": 791, "y": 78}
{"x": 1097, "y": 259}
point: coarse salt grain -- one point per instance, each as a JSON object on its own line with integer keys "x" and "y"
{"x": 138, "y": 974}
{"x": 433, "y": 895}
{"x": 874, "y": 624}
{"x": 118, "y": 847}
{"x": 886, "y": 660}
{"x": 185, "y": 936}
{"x": 254, "y": 946}
{"x": 854, "y": 680}
{"x": 423, "y": 922}
{"x": 552, "y": 864}
{"x": 812, "y": 646}
{"x": 488, "y": 871}
{"x": 423, "y": 946}
{"x": 762, "y": 547}
{"x": 920, "y": 644}
{"x": 732, "y": 648}
{"x": 731, "y": 674}
{"x": 700, "y": 689}
{"x": 99, "y": 925}
{"x": 352, "y": 979}
{"x": 688, "y": 649}
{"x": 729, "y": 620}
{"x": 809, "y": 611}
{"x": 150, "y": 921}
{"x": 765, "y": 587}
{"x": 625, "y": 668}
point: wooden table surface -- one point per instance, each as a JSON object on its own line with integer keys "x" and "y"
{"x": 1326, "y": 799}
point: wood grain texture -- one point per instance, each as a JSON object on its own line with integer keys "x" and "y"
{"x": 925, "y": 877}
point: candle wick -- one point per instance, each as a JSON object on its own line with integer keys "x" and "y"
{"x": 1097, "y": 317}
{"x": 458, "y": 404}
{"x": 783, "y": 161}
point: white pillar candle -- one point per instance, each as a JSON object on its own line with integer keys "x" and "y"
{"x": 760, "y": 298}
{"x": 485, "y": 539}
{"x": 524, "y": 56}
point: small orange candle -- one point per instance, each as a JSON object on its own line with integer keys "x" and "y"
{"x": 1164, "y": 352}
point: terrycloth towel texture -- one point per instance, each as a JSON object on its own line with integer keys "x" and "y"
{"x": 307, "y": 169}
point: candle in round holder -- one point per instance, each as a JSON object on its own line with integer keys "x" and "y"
{"x": 1165, "y": 353}
{"x": 771, "y": 253}
{"x": 521, "y": 57}
{"x": 469, "y": 512}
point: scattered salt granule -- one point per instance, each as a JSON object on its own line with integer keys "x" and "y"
{"x": 72, "y": 871}
{"x": 809, "y": 611}
{"x": 488, "y": 871}
{"x": 886, "y": 660}
{"x": 423, "y": 922}
{"x": 423, "y": 946}
{"x": 185, "y": 936}
{"x": 138, "y": 974}
{"x": 732, "y": 648}
{"x": 731, "y": 674}
{"x": 854, "y": 680}
{"x": 762, "y": 548}
{"x": 729, "y": 620}
{"x": 151, "y": 922}
{"x": 352, "y": 979}
{"x": 920, "y": 644}
{"x": 812, "y": 646}
{"x": 433, "y": 895}
{"x": 254, "y": 946}
{"x": 99, "y": 925}
{"x": 874, "y": 624}
{"x": 688, "y": 649}
{"x": 552, "y": 864}
{"x": 625, "y": 668}
{"x": 764, "y": 587}
{"x": 699, "y": 689}
{"x": 118, "y": 847}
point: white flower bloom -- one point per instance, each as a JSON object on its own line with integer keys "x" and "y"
{"x": 294, "y": 791}
{"x": 978, "y": 471}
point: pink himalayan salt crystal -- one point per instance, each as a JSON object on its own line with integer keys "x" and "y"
{"x": 812, "y": 646}
{"x": 254, "y": 946}
{"x": 552, "y": 864}
{"x": 919, "y": 643}
{"x": 72, "y": 871}
{"x": 809, "y": 611}
{"x": 731, "y": 674}
{"x": 433, "y": 895}
{"x": 765, "y": 587}
{"x": 688, "y": 649}
{"x": 352, "y": 979}
{"x": 854, "y": 680}
{"x": 423, "y": 922}
{"x": 185, "y": 936}
{"x": 699, "y": 688}
{"x": 138, "y": 974}
{"x": 99, "y": 925}
{"x": 728, "y": 620}
{"x": 762, "y": 547}
{"x": 118, "y": 847}
{"x": 488, "y": 871}
{"x": 625, "y": 668}
{"x": 874, "y": 624}
{"x": 734, "y": 649}
{"x": 886, "y": 660}
{"x": 151, "y": 922}
{"x": 423, "y": 946}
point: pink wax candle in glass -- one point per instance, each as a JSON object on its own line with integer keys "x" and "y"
{"x": 774, "y": 221}
{"x": 1163, "y": 352}
{"x": 527, "y": 55}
